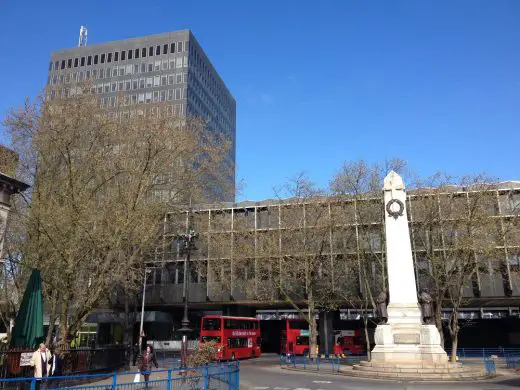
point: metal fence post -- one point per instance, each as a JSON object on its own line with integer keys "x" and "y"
{"x": 206, "y": 378}
{"x": 114, "y": 380}
{"x": 229, "y": 375}
{"x": 33, "y": 384}
{"x": 237, "y": 377}
{"x": 169, "y": 382}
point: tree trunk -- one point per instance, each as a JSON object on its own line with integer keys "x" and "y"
{"x": 367, "y": 338}
{"x": 438, "y": 321}
{"x": 454, "y": 342}
{"x": 64, "y": 341}
{"x": 454, "y": 333}
{"x": 52, "y": 317}
{"x": 313, "y": 342}
{"x": 127, "y": 332}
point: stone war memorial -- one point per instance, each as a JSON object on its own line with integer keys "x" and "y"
{"x": 408, "y": 344}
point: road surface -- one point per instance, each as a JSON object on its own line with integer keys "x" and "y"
{"x": 265, "y": 373}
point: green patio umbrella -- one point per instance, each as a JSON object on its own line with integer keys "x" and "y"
{"x": 28, "y": 327}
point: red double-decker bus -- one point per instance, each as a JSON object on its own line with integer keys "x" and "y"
{"x": 295, "y": 338}
{"x": 236, "y": 337}
{"x": 349, "y": 342}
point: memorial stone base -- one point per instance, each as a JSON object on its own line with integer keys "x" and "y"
{"x": 408, "y": 350}
{"x": 408, "y": 343}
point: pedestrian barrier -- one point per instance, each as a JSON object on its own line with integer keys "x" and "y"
{"x": 490, "y": 367}
{"x": 210, "y": 377}
{"x": 330, "y": 364}
{"x": 485, "y": 352}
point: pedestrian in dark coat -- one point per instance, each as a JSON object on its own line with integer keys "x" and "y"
{"x": 148, "y": 360}
{"x": 55, "y": 368}
{"x": 56, "y": 364}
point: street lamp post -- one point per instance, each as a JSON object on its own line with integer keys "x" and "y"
{"x": 146, "y": 272}
{"x": 189, "y": 245}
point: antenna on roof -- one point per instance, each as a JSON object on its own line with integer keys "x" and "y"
{"x": 82, "y": 36}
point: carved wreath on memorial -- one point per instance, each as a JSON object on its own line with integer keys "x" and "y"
{"x": 392, "y": 213}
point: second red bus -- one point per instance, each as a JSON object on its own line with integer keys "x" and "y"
{"x": 295, "y": 337}
{"x": 236, "y": 337}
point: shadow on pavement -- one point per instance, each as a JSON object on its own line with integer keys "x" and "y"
{"x": 513, "y": 382}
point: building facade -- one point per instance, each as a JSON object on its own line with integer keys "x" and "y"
{"x": 135, "y": 74}
{"x": 237, "y": 240}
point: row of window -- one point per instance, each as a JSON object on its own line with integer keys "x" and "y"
{"x": 171, "y": 110}
{"x": 136, "y": 98}
{"x": 137, "y": 83}
{"x": 122, "y": 70}
{"x": 206, "y": 105}
{"x": 123, "y": 55}
{"x": 210, "y": 88}
{"x": 144, "y": 97}
{"x": 200, "y": 65}
{"x": 141, "y": 83}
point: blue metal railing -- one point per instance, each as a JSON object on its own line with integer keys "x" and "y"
{"x": 489, "y": 366}
{"x": 485, "y": 352}
{"x": 331, "y": 363}
{"x": 211, "y": 377}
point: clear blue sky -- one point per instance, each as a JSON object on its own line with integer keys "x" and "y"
{"x": 436, "y": 83}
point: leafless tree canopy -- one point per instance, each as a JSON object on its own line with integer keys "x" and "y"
{"x": 101, "y": 184}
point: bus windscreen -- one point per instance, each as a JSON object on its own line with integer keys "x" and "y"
{"x": 211, "y": 324}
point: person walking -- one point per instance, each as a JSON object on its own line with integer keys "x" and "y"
{"x": 56, "y": 367}
{"x": 40, "y": 361}
{"x": 147, "y": 360}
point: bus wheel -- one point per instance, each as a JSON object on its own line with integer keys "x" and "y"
{"x": 253, "y": 354}
{"x": 233, "y": 356}
{"x": 306, "y": 353}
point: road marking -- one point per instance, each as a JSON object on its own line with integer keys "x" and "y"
{"x": 259, "y": 388}
{"x": 321, "y": 381}
{"x": 301, "y": 388}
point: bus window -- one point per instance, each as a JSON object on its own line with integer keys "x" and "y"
{"x": 211, "y": 324}
{"x": 302, "y": 340}
{"x": 237, "y": 342}
{"x": 299, "y": 325}
{"x": 207, "y": 339}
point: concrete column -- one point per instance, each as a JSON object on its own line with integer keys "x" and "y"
{"x": 325, "y": 331}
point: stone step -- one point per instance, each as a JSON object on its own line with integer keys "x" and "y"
{"x": 429, "y": 370}
{"x": 410, "y": 365}
{"x": 475, "y": 375}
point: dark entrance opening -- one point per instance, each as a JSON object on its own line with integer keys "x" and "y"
{"x": 271, "y": 330}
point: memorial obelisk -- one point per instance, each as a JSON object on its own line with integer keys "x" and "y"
{"x": 404, "y": 338}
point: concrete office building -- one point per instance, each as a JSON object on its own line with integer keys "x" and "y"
{"x": 227, "y": 273}
{"x": 134, "y": 74}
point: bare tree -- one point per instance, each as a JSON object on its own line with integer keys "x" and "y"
{"x": 455, "y": 233}
{"x": 102, "y": 183}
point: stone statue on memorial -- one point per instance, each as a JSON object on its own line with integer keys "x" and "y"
{"x": 425, "y": 300}
{"x": 381, "y": 308}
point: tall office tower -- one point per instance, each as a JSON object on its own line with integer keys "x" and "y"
{"x": 171, "y": 68}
